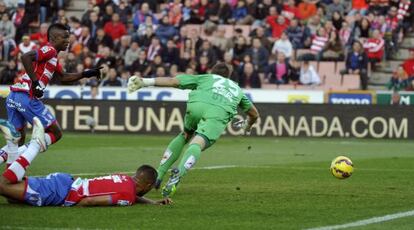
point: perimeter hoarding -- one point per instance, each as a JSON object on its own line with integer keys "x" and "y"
{"x": 278, "y": 120}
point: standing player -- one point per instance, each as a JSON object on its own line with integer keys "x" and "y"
{"x": 23, "y": 101}
{"x": 211, "y": 105}
{"x": 62, "y": 189}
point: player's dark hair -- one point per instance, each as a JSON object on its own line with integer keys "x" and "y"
{"x": 222, "y": 69}
{"x": 54, "y": 27}
{"x": 149, "y": 174}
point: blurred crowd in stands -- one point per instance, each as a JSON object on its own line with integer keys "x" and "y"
{"x": 267, "y": 41}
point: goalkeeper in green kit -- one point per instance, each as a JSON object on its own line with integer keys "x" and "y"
{"x": 211, "y": 105}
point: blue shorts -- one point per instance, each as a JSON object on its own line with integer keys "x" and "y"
{"x": 22, "y": 109}
{"x": 48, "y": 191}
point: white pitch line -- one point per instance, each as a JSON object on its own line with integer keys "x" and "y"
{"x": 369, "y": 221}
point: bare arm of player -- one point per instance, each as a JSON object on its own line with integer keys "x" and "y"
{"x": 143, "y": 200}
{"x": 252, "y": 116}
{"x": 27, "y": 60}
{"x": 166, "y": 82}
{"x": 96, "y": 201}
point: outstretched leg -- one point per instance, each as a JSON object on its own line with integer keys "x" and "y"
{"x": 191, "y": 155}
{"x": 171, "y": 154}
{"x": 18, "y": 168}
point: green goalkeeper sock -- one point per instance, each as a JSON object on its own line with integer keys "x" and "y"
{"x": 171, "y": 154}
{"x": 189, "y": 159}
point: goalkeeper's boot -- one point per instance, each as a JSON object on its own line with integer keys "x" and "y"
{"x": 9, "y": 131}
{"x": 38, "y": 134}
{"x": 171, "y": 187}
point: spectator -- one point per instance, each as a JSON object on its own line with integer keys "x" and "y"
{"x": 102, "y": 39}
{"x": 30, "y": 14}
{"x": 25, "y": 46}
{"x": 93, "y": 23}
{"x": 223, "y": 13}
{"x": 175, "y": 15}
{"x": 115, "y": 28}
{"x": 260, "y": 33}
{"x": 109, "y": 12}
{"x": 75, "y": 26}
{"x": 319, "y": 42}
{"x": 259, "y": 55}
{"x": 308, "y": 75}
{"x": 131, "y": 54}
{"x": 165, "y": 31}
{"x": 359, "y": 6}
{"x": 374, "y": 47}
{"x": 141, "y": 14}
{"x": 333, "y": 51}
{"x": 345, "y": 34}
{"x": 278, "y": 71}
{"x": 337, "y": 20}
{"x": 277, "y": 26}
{"x": 228, "y": 59}
{"x": 202, "y": 65}
{"x": 40, "y": 37}
{"x": 160, "y": 72}
{"x": 400, "y": 81}
{"x": 220, "y": 41}
{"x": 7, "y": 33}
{"x": 154, "y": 49}
{"x": 307, "y": 9}
{"x": 335, "y": 6}
{"x": 141, "y": 64}
{"x": 121, "y": 47}
{"x": 363, "y": 29}
{"x": 249, "y": 78}
{"x": 112, "y": 78}
{"x": 154, "y": 65}
{"x": 207, "y": 50}
{"x": 408, "y": 64}
{"x": 9, "y": 74}
{"x": 239, "y": 49}
{"x": 283, "y": 45}
{"x": 295, "y": 34}
{"x": 171, "y": 54}
{"x": 357, "y": 63}
{"x": 239, "y": 13}
{"x": 104, "y": 57}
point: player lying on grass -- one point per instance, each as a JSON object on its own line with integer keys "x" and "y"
{"x": 59, "y": 189}
{"x": 211, "y": 105}
{"x": 23, "y": 103}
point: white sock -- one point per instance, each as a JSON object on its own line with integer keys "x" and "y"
{"x": 12, "y": 151}
{"x": 32, "y": 150}
{"x": 17, "y": 170}
{"x": 48, "y": 139}
{"x": 5, "y": 152}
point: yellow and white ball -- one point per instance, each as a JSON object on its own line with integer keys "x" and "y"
{"x": 342, "y": 167}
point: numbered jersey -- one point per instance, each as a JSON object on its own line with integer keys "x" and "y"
{"x": 215, "y": 90}
{"x": 121, "y": 189}
{"x": 45, "y": 65}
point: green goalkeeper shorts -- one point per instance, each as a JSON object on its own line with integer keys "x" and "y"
{"x": 208, "y": 120}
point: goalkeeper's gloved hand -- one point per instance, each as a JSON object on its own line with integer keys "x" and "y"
{"x": 37, "y": 89}
{"x": 242, "y": 124}
{"x": 134, "y": 83}
{"x": 95, "y": 72}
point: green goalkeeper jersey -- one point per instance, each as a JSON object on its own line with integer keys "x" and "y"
{"x": 215, "y": 90}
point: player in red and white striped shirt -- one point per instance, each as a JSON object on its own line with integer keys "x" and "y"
{"x": 319, "y": 41}
{"x": 23, "y": 102}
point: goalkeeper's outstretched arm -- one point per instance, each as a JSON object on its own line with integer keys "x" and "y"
{"x": 135, "y": 83}
{"x": 252, "y": 116}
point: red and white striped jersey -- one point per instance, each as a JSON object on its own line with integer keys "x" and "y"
{"x": 121, "y": 189}
{"x": 318, "y": 43}
{"x": 45, "y": 65}
{"x": 403, "y": 9}
{"x": 375, "y": 47}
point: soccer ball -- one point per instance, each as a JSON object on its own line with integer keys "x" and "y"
{"x": 342, "y": 167}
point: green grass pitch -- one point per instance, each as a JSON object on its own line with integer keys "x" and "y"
{"x": 278, "y": 183}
